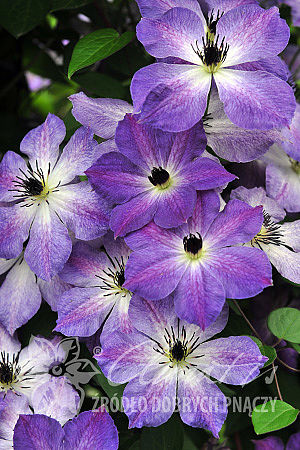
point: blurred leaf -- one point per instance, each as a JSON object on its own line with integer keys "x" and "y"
{"x": 20, "y": 16}
{"x": 68, "y": 4}
{"x": 265, "y": 350}
{"x": 96, "y": 46}
{"x": 285, "y": 324}
{"x": 296, "y": 347}
{"x": 101, "y": 85}
{"x": 273, "y": 416}
{"x": 168, "y": 436}
{"x": 41, "y": 64}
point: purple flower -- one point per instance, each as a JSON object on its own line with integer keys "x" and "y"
{"x": 237, "y": 51}
{"x": 169, "y": 360}
{"x": 26, "y": 372}
{"x": 41, "y": 202}
{"x": 21, "y": 293}
{"x": 198, "y": 261}
{"x": 155, "y": 175}
{"x": 231, "y": 142}
{"x": 280, "y": 242}
{"x": 99, "y": 297}
{"x": 291, "y": 56}
{"x": 275, "y": 443}
{"x": 90, "y": 430}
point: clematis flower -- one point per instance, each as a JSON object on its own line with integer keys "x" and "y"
{"x": 40, "y": 200}
{"x": 168, "y": 361}
{"x": 26, "y": 372}
{"x": 58, "y": 401}
{"x": 99, "y": 298}
{"x": 275, "y": 443}
{"x": 90, "y": 430}
{"x": 280, "y": 242}
{"x": 283, "y": 178}
{"x": 21, "y": 293}
{"x": 198, "y": 261}
{"x": 155, "y": 175}
{"x": 172, "y": 95}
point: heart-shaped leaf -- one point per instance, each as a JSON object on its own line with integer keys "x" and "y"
{"x": 96, "y": 46}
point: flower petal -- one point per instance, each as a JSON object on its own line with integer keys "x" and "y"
{"x": 37, "y": 431}
{"x": 154, "y": 9}
{"x": 252, "y": 33}
{"x": 153, "y": 235}
{"x": 255, "y": 100}
{"x": 158, "y": 394}
{"x": 231, "y": 142}
{"x": 49, "y": 244}
{"x": 9, "y": 170}
{"x": 42, "y": 143}
{"x": 20, "y": 297}
{"x": 291, "y": 233}
{"x": 153, "y": 274}
{"x": 201, "y": 403}
{"x": 174, "y": 34}
{"x": 174, "y": 99}
{"x": 291, "y": 136}
{"x": 269, "y": 443}
{"x": 206, "y": 210}
{"x": 238, "y": 223}
{"x": 52, "y": 290}
{"x": 79, "y": 154}
{"x": 133, "y": 214}
{"x": 258, "y": 197}
{"x": 11, "y": 406}
{"x": 151, "y": 318}
{"x": 285, "y": 260}
{"x": 91, "y": 430}
{"x": 15, "y": 222}
{"x": 83, "y": 265}
{"x": 175, "y": 206}
{"x": 282, "y": 184}
{"x": 82, "y": 311}
{"x": 56, "y": 398}
{"x": 82, "y": 210}
{"x": 199, "y": 297}
{"x": 100, "y": 114}
{"x": 116, "y": 177}
{"x": 233, "y": 360}
{"x": 244, "y": 272}
{"x": 8, "y": 343}
{"x": 125, "y": 356}
{"x": 205, "y": 174}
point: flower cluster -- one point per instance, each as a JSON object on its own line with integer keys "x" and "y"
{"x": 136, "y": 242}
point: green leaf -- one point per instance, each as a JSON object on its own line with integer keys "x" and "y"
{"x": 285, "y": 324}
{"x": 168, "y": 436}
{"x": 273, "y": 416}
{"x": 265, "y": 350}
{"x": 96, "y": 46}
{"x": 20, "y": 16}
{"x": 68, "y": 4}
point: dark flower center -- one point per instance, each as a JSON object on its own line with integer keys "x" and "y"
{"x": 33, "y": 186}
{"x": 178, "y": 351}
{"x": 213, "y": 20}
{"x": 212, "y": 53}
{"x": 8, "y": 370}
{"x": 158, "y": 176}
{"x": 120, "y": 277}
{"x": 192, "y": 243}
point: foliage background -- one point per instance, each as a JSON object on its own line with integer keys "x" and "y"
{"x": 38, "y": 36}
